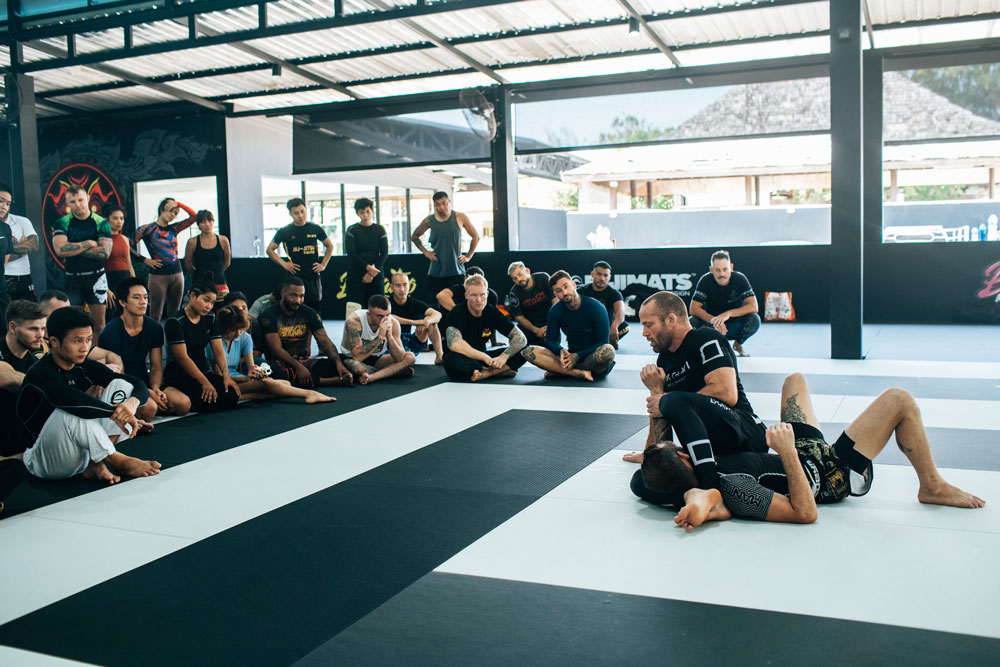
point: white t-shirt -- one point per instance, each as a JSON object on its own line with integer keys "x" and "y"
{"x": 21, "y": 228}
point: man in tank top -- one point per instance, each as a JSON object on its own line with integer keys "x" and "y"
{"x": 445, "y": 253}
{"x": 374, "y": 345}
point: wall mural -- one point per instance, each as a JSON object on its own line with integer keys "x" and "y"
{"x": 991, "y": 283}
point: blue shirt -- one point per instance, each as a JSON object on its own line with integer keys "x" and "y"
{"x": 586, "y": 328}
{"x": 235, "y": 351}
{"x": 132, "y": 349}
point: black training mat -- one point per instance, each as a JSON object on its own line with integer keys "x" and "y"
{"x": 440, "y": 620}
{"x": 269, "y": 591}
{"x": 198, "y": 435}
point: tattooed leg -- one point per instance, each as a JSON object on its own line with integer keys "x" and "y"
{"x": 796, "y": 405}
{"x": 599, "y": 361}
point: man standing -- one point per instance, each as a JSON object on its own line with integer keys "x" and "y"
{"x": 724, "y": 299}
{"x": 587, "y": 354}
{"x": 289, "y": 327}
{"x": 18, "y": 349}
{"x": 366, "y": 246}
{"x": 414, "y": 314}
{"x": 695, "y": 388}
{"x": 82, "y": 240}
{"x": 468, "y": 327}
{"x": 25, "y": 241}
{"x": 71, "y": 431}
{"x": 6, "y": 246}
{"x": 371, "y": 337}
{"x": 447, "y": 260}
{"x": 599, "y": 288}
{"x": 299, "y": 239}
{"x": 530, "y": 299}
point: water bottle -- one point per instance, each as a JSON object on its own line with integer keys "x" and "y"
{"x": 982, "y": 231}
{"x": 992, "y": 234}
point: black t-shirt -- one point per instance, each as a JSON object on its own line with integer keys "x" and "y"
{"x": 458, "y": 295}
{"x": 477, "y": 331}
{"x": 300, "y": 245}
{"x": 533, "y": 302}
{"x": 609, "y": 296}
{"x": 9, "y": 398}
{"x": 295, "y": 330}
{"x": 716, "y": 298}
{"x": 413, "y": 309}
{"x": 363, "y": 246}
{"x": 132, "y": 349}
{"x": 194, "y": 336}
{"x": 91, "y": 228}
{"x": 749, "y": 480}
{"x": 701, "y": 352}
{"x": 6, "y": 248}
{"x": 22, "y": 364}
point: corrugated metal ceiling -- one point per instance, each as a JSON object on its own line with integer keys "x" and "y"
{"x": 345, "y": 53}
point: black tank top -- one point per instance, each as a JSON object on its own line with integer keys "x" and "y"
{"x": 208, "y": 262}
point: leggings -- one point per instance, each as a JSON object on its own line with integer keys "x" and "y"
{"x": 704, "y": 425}
{"x": 165, "y": 294}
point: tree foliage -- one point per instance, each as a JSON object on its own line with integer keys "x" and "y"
{"x": 973, "y": 87}
{"x": 628, "y": 129}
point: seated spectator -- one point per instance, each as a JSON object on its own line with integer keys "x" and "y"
{"x": 238, "y": 300}
{"x": 449, "y": 296}
{"x": 289, "y": 327}
{"x": 54, "y": 299}
{"x": 587, "y": 354}
{"x": 468, "y": 327}
{"x": 136, "y": 337}
{"x": 18, "y": 347}
{"x": 264, "y": 302}
{"x": 372, "y": 338}
{"x": 189, "y": 331}
{"x": 414, "y": 314}
{"x": 530, "y": 299}
{"x": 254, "y": 381}
{"x": 600, "y": 288}
{"x": 723, "y": 299}
{"x": 70, "y": 431}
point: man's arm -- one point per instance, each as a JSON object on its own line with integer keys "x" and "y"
{"x": 619, "y": 317}
{"x": 10, "y": 380}
{"x": 287, "y": 265}
{"x": 698, "y": 310}
{"x": 800, "y": 505}
{"x": 749, "y": 306}
{"x": 421, "y": 229}
{"x": 101, "y": 375}
{"x": 327, "y": 346}
{"x": 352, "y": 342}
{"x": 471, "y": 231}
{"x": 155, "y": 367}
{"x": 276, "y": 351}
{"x": 721, "y": 384}
{"x": 24, "y": 246}
{"x": 515, "y": 342}
{"x": 102, "y": 251}
{"x": 106, "y": 357}
{"x": 431, "y": 316}
{"x": 525, "y": 323}
{"x": 64, "y": 248}
{"x": 446, "y": 298}
{"x": 457, "y": 344}
{"x": 327, "y": 253}
{"x": 599, "y": 323}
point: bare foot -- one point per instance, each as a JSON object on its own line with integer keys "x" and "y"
{"x": 316, "y": 397}
{"x": 739, "y": 349}
{"x": 949, "y": 495}
{"x": 476, "y": 376}
{"x": 99, "y": 472}
{"x": 133, "y": 467}
{"x": 701, "y": 505}
{"x": 632, "y": 457}
{"x": 438, "y": 361}
{"x": 363, "y": 378}
{"x": 551, "y": 375}
{"x": 509, "y": 373}
{"x": 586, "y": 375}
{"x": 406, "y": 372}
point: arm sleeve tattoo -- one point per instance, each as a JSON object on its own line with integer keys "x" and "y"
{"x": 515, "y": 342}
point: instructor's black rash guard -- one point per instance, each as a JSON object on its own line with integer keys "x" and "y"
{"x": 47, "y": 388}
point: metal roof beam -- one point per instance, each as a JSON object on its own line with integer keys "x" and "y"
{"x": 650, "y": 33}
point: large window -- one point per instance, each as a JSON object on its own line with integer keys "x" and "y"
{"x": 941, "y": 129}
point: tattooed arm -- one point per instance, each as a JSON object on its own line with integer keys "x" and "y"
{"x": 24, "y": 246}
{"x": 516, "y": 342}
{"x": 352, "y": 342}
{"x": 66, "y": 249}
{"x": 458, "y": 344}
{"x": 102, "y": 251}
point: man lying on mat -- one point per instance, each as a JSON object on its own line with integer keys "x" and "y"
{"x": 695, "y": 389}
{"x": 786, "y": 486}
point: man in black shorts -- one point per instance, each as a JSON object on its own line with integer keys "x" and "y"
{"x": 695, "y": 388}
{"x": 468, "y": 327}
{"x": 724, "y": 300}
{"x": 786, "y": 487}
{"x": 600, "y": 288}
{"x": 299, "y": 239}
{"x": 82, "y": 241}
{"x": 529, "y": 300}
{"x": 289, "y": 327}
{"x": 418, "y": 322}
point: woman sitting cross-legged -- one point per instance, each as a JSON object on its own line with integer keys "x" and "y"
{"x": 255, "y": 383}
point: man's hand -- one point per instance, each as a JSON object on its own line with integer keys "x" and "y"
{"x": 653, "y": 377}
{"x": 304, "y": 377}
{"x": 208, "y": 393}
{"x": 653, "y": 405}
{"x": 613, "y": 337}
{"x": 719, "y": 322}
{"x": 384, "y": 327}
{"x": 290, "y": 266}
{"x": 498, "y": 362}
{"x": 318, "y": 267}
{"x": 431, "y": 255}
{"x": 462, "y": 259}
{"x": 568, "y": 359}
{"x": 367, "y": 278}
{"x": 780, "y": 437}
{"x": 152, "y": 263}
{"x": 372, "y": 270}
{"x": 228, "y": 381}
{"x": 257, "y": 373}
{"x": 345, "y": 375}
{"x": 124, "y": 413}
{"x": 541, "y": 331}
{"x": 160, "y": 398}
{"x": 115, "y": 368}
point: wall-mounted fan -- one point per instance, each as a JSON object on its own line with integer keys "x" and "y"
{"x": 478, "y": 112}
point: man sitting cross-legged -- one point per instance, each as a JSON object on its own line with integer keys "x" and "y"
{"x": 255, "y": 383}
{"x": 72, "y": 432}
{"x": 806, "y": 470}
{"x": 289, "y": 327}
{"x": 136, "y": 337}
{"x": 371, "y": 337}
{"x": 587, "y": 354}
{"x": 18, "y": 350}
{"x": 468, "y": 327}
{"x": 417, "y": 315}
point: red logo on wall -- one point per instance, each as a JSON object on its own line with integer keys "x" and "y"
{"x": 991, "y": 282}
{"x": 97, "y": 184}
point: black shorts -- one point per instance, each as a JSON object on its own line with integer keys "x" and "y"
{"x": 314, "y": 290}
{"x": 318, "y": 369}
{"x": 829, "y": 463}
{"x": 21, "y": 287}
{"x": 360, "y": 292}
{"x": 87, "y": 288}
